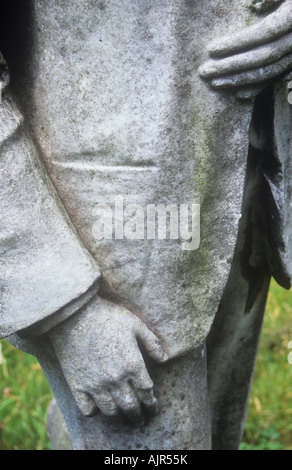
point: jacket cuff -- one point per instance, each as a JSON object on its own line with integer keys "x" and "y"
{"x": 43, "y": 326}
{"x": 46, "y": 272}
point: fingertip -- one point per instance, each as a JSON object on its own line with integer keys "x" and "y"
{"x": 165, "y": 357}
{"x": 85, "y": 404}
{"x": 153, "y": 409}
{"x": 203, "y": 70}
{"x": 152, "y": 344}
{"x": 158, "y": 354}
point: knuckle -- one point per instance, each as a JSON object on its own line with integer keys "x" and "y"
{"x": 96, "y": 386}
{"x": 112, "y": 381}
{"x": 146, "y": 384}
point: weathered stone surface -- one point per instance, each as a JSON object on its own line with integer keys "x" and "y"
{"x": 131, "y": 104}
{"x": 142, "y": 125}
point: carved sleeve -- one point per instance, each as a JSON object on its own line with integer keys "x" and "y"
{"x": 46, "y": 273}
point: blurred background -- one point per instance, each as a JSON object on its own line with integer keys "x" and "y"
{"x": 25, "y": 394}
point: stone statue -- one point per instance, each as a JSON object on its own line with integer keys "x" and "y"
{"x": 148, "y": 342}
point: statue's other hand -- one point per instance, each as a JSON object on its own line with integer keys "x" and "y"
{"x": 255, "y": 55}
{"x": 100, "y": 357}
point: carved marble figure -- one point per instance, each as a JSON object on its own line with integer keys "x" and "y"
{"x": 170, "y": 102}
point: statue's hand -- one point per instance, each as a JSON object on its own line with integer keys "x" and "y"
{"x": 98, "y": 351}
{"x": 254, "y": 56}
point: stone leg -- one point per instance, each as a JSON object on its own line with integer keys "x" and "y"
{"x": 233, "y": 342}
{"x": 232, "y": 351}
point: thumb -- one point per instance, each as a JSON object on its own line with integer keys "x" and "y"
{"x": 151, "y": 343}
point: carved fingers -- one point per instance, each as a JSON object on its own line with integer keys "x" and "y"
{"x": 131, "y": 400}
{"x": 253, "y": 56}
{"x": 129, "y": 395}
{"x": 261, "y": 56}
{"x": 84, "y": 402}
{"x": 99, "y": 352}
{"x": 254, "y": 77}
{"x": 273, "y": 26}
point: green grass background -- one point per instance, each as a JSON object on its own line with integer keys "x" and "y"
{"x": 25, "y": 394}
